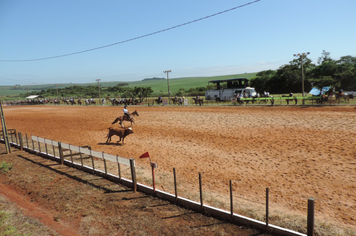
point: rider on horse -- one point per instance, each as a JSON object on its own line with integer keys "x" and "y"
{"x": 126, "y": 113}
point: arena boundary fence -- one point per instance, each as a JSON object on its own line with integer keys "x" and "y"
{"x": 37, "y": 148}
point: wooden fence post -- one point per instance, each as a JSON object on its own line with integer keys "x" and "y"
{"x": 231, "y": 202}
{"x": 54, "y": 152}
{"x": 106, "y": 171}
{"x": 16, "y": 136}
{"x": 39, "y": 145}
{"x": 118, "y": 167}
{"x": 310, "y": 224}
{"x": 133, "y": 174}
{"x": 21, "y": 141}
{"x": 27, "y": 142}
{"x": 92, "y": 161}
{"x": 33, "y": 145}
{"x": 81, "y": 157}
{"x": 12, "y": 140}
{"x": 60, "y": 152}
{"x": 201, "y": 193}
{"x": 45, "y": 146}
{"x": 175, "y": 185}
{"x": 267, "y": 207}
{"x": 71, "y": 154}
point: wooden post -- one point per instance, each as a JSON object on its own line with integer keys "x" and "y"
{"x": 21, "y": 141}
{"x": 60, "y": 152}
{"x": 92, "y": 161}
{"x": 310, "y": 220}
{"x": 33, "y": 145}
{"x": 201, "y": 193}
{"x": 46, "y": 146}
{"x": 54, "y": 152}
{"x": 175, "y": 185}
{"x": 231, "y": 202}
{"x": 4, "y": 130}
{"x": 16, "y": 138}
{"x": 81, "y": 157}
{"x": 267, "y": 207}
{"x": 133, "y": 174}
{"x": 39, "y": 145}
{"x": 71, "y": 154}
{"x": 106, "y": 171}
{"x": 118, "y": 167}
{"x": 12, "y": 140}
{"x": 27, "y": 141}
{"x": 153, "y": 177}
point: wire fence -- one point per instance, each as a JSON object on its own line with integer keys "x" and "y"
{"x": 123, "y": 171}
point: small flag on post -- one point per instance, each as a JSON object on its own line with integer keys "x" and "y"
{"x": 145, "y": 155}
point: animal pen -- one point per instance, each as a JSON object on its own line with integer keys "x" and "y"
{"x": 123, "y": 171}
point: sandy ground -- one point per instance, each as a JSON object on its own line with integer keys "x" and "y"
{"x": 296, "y": 152}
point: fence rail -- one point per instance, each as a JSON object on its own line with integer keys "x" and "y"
{"x": 273, "y": 100}
{"x": 196, "y": 206}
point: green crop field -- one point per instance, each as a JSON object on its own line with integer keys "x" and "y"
{"x": 157, "y": 85}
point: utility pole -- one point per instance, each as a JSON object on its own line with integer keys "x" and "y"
{"x": 169, "y": 92}
{"x": 99, "y": 89}
{"x": 57, "y": 89}
{"x": 301, "y": 55}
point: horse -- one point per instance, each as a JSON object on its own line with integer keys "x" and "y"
{"x": 159, "y": 101}
{"x": 124, "y": 118}
{"x": 199, "y": 101}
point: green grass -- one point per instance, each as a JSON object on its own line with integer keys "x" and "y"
{"x": 5, "y": 167}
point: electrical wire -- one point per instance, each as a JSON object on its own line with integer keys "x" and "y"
{"x": 132, "y": 39}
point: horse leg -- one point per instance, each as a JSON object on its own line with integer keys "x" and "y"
{"x": 108, "y": 139}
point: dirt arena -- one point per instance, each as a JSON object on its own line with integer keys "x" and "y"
{"x": 297, "y": 152}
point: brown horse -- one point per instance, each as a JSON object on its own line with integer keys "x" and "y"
{"x": 125, "y": 118}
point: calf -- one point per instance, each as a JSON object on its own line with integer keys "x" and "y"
{"x": 122, "y": 132}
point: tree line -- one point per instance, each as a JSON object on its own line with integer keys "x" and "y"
{"x": 340, "y": 74}
{"x": 121, "y": 90}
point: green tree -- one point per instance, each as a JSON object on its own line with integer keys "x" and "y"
{"x": 142, "y": 92}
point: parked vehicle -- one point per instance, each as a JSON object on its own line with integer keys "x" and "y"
{"x": 226, "y": 89}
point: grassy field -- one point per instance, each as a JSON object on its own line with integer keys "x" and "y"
{"x": 157, "y": 85}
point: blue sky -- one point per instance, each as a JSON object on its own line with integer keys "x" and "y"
{"x": 262, "y": 35}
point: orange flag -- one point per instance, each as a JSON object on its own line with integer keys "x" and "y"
{"x": 145, "y": 155}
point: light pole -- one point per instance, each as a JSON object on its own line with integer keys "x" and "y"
{"x": 301, "y": 55}
{"x": 169, "y": 92}
{"x": 99, "y": 89}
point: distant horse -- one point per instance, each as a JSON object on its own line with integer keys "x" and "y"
{"x": 199, "y": 101}
{"x": 124, "y": 118}
{"x": 158, "y": 101}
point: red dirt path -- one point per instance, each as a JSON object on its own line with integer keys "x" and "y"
{"x": 296, "y": 152}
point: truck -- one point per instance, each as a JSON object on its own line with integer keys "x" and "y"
{"x": 224, "y": 90}
{"x": 350, "y": 93}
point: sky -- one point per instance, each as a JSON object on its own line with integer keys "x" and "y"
{"x": 81, "y": 41}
